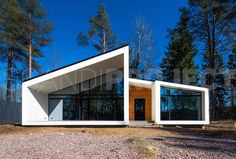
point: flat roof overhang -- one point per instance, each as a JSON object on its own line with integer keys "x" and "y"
{"x": 82, "y": 71}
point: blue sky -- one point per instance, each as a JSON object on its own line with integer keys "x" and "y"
{"x": 71, "y": 16}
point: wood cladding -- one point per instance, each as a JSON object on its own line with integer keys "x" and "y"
{"x": 137, "y": 93}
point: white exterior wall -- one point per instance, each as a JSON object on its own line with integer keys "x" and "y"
{"x": 35, "y": 103}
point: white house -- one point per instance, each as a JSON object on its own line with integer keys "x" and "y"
{"x": 98, "y": 91}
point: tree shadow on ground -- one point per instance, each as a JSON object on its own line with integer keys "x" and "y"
{"x": 215, "y": 134}
{"x": 201, "y": 144}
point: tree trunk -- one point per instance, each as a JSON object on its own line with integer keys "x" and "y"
{"x": 232, "y": 100}
{"x": 30, "y": 60}
{"x": 104, "y": 42}
{"x": 210, "y": 43}
{"x": 213, "y": 65}
{"x": 9, "y": 69}
{"x": 30, "y": 46}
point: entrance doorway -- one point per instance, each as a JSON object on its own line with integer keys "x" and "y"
{"x": 139, "y": 109}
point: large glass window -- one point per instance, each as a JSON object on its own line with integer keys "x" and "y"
{"x": 178, "y": 104}
{"x": 100, "y": 98}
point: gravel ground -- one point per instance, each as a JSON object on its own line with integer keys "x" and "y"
{"x": 64, "y": 145}
{"x": 133, "y": 145}
{"x": 195, "y": 147}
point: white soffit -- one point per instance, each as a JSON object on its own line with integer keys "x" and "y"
{"x": 110, "y": 60}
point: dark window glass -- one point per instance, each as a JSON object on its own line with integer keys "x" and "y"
{"x": 69, "y": 109}
{"x": 84, "y": 109}
{"x": 93, "y": 110}
{"x": 177, "y": 104}
{"x": 139, "y": 109}
{"x": 100, "y": 98}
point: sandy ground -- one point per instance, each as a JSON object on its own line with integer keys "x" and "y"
{"x": 60, "y": 142}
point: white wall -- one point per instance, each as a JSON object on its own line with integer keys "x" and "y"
{"x": 35, "y": 91}
{"x": 34, "y": 105}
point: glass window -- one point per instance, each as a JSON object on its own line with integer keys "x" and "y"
{"x": 69, "y": 108}
{"x": 93, "y": 110}
{"x": 177, "y": 104}
{"x": 100, "y": 98}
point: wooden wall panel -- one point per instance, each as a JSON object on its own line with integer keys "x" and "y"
{"x": 144, "y": 93}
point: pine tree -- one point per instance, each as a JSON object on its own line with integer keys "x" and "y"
{"x": 213, "y": 26}
{"x": 220, "y": 95}
{"x": 180, "y": 51}
{"x": 36, "y": 31}
{"x": 100, "y": 32}
{"x": 11, "y": 26}
{"x": 20, "y": 36}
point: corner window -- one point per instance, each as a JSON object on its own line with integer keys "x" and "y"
{"x": 180, "y": 104}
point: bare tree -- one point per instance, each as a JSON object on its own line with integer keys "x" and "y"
{"x": 141, "y": 48}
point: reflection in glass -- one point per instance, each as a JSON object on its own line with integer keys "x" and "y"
{"x": 100, "y": 98}
{"x": 177, "y": 104}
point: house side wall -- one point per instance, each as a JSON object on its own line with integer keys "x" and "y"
{"x": 144, "y": 93}
{"x": 34, "y": 106}
{"x": 35, "y": 103}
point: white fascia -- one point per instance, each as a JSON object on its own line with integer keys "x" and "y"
{"x": 205, "y": 101}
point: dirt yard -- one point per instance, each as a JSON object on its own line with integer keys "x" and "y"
{"x": 71, "y": 142}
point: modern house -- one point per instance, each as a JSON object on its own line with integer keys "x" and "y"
{"x": 98, "y": 91}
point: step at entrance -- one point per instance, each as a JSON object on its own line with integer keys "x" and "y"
{"x": 142, "y": 123}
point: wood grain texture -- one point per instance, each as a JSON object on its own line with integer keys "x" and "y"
{"x": 137, "y": 93}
